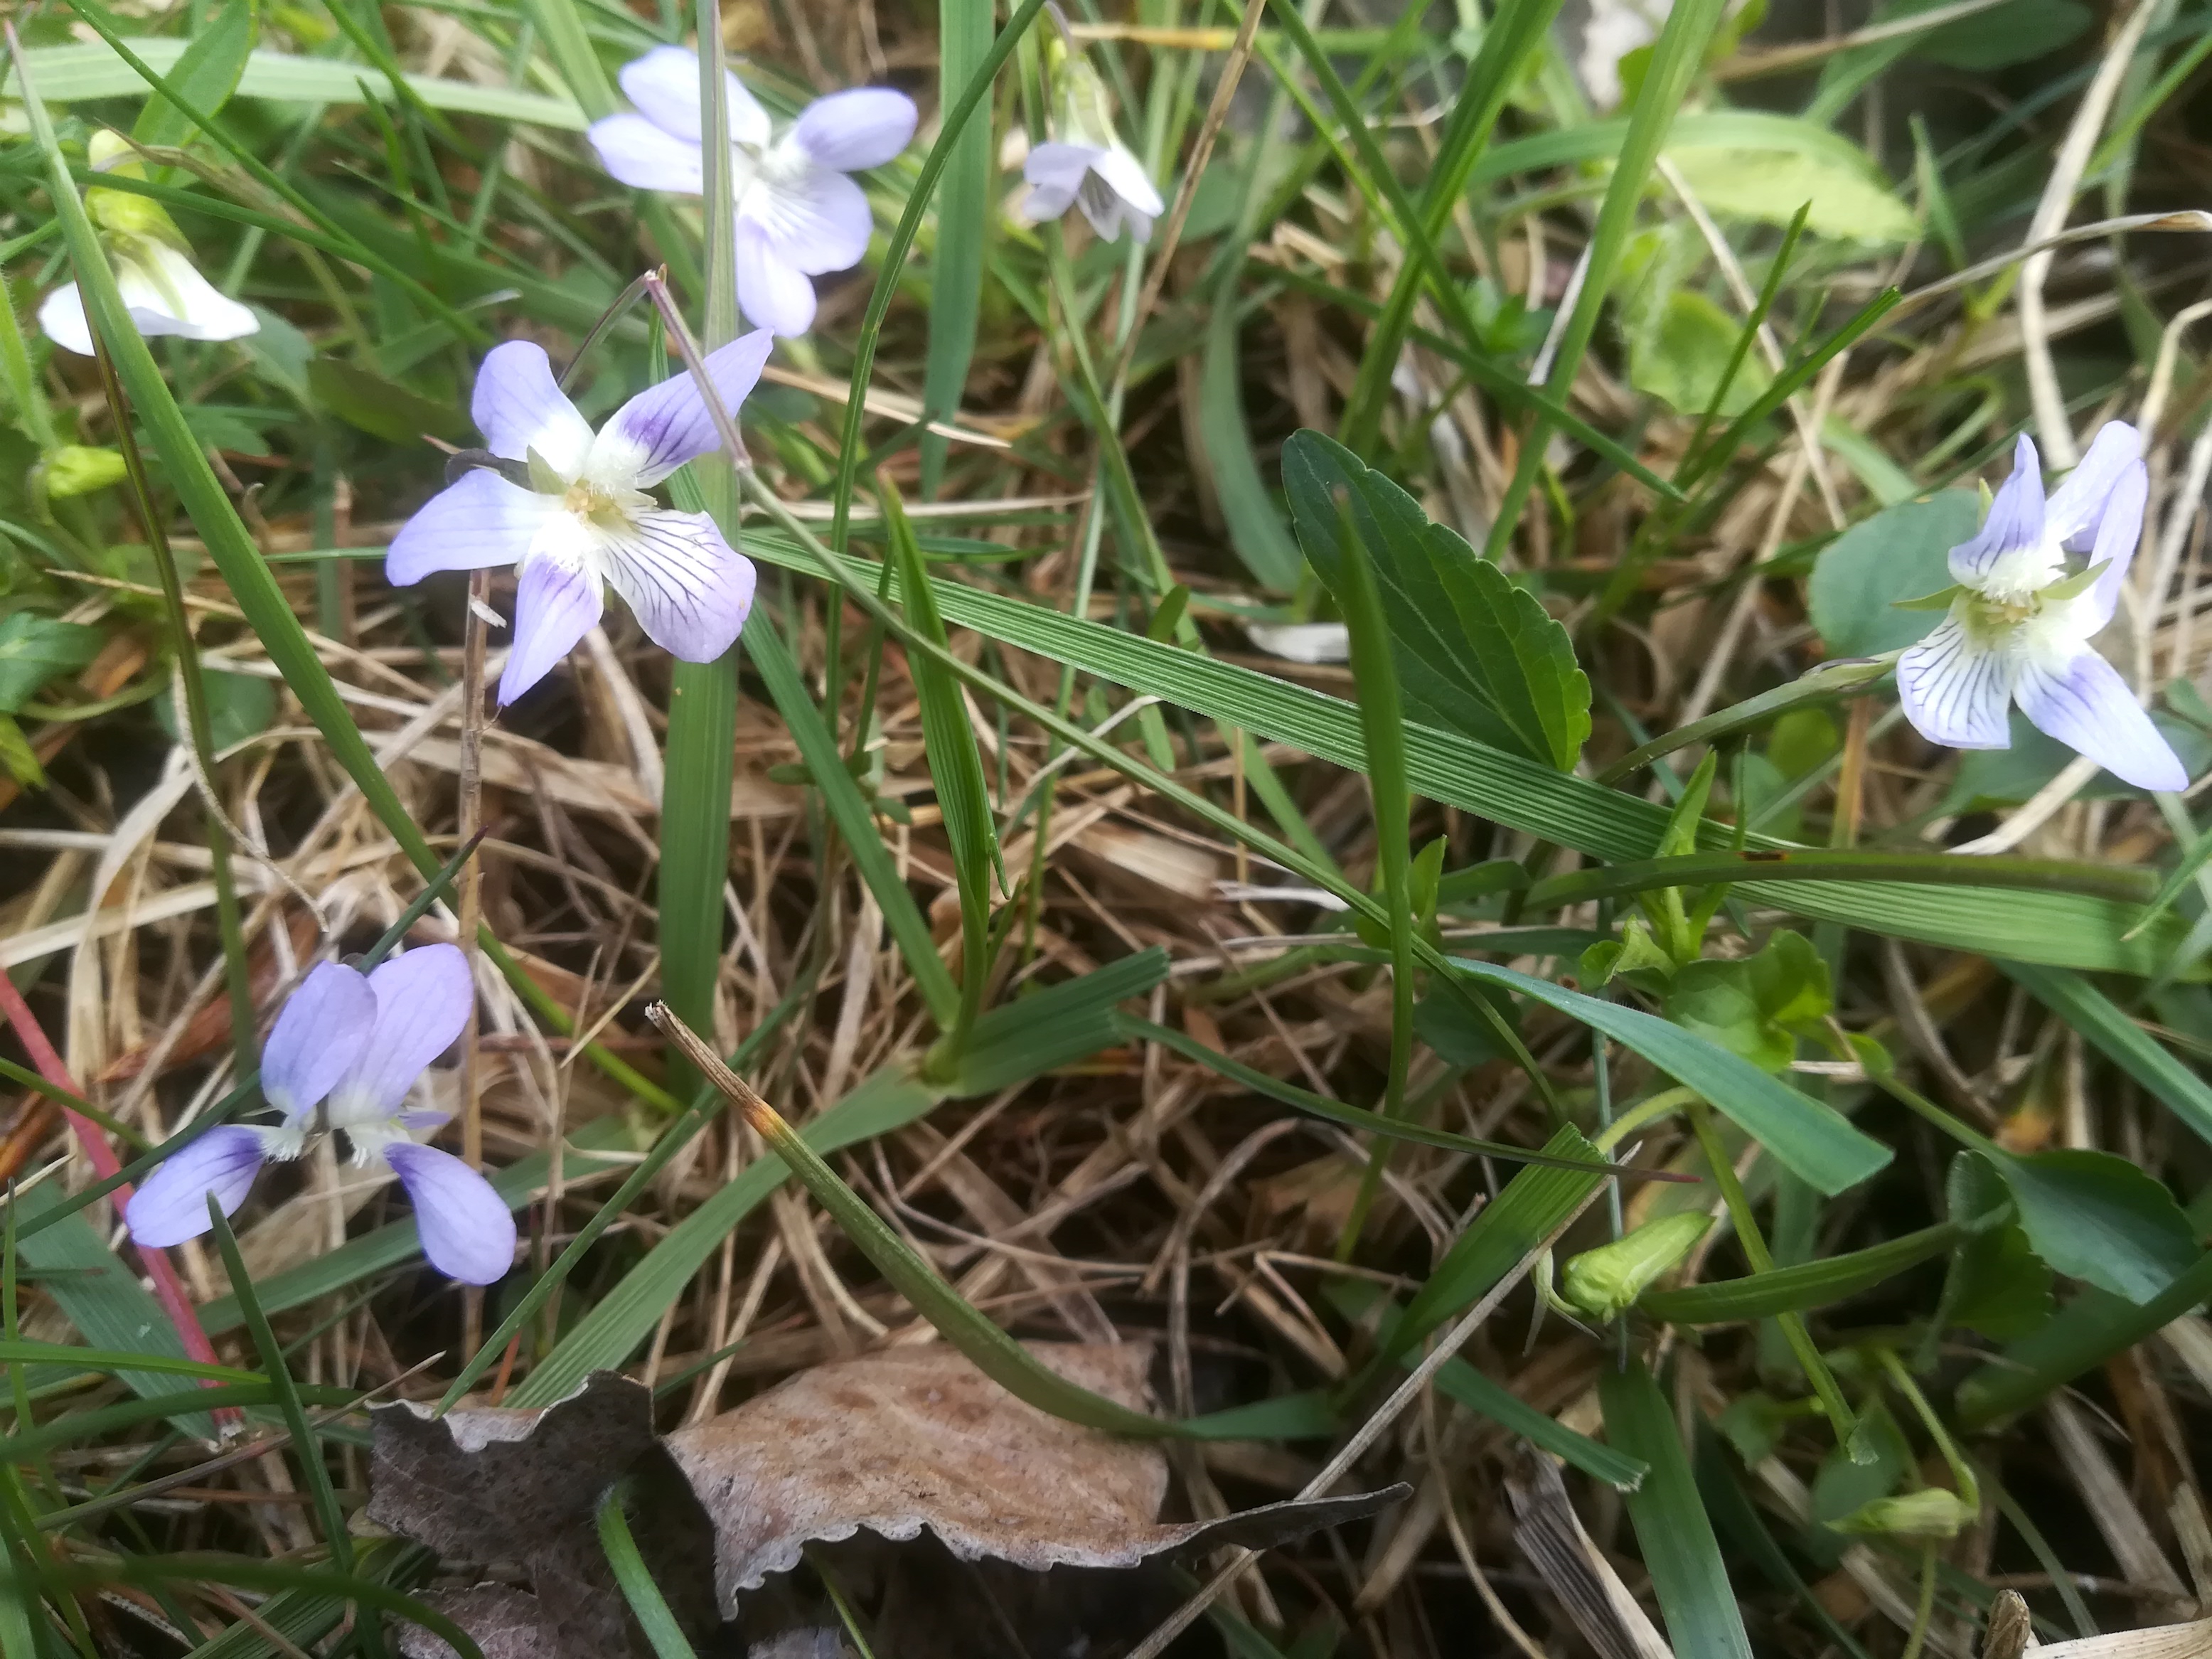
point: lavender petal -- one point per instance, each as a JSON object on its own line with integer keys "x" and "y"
{"x": 2078, "y": 505}
{"x": 466, "y": 1231}
{"x": 1955, "y": 692}
{"x": 554, "y": 605}
{"x": 662, "y": 428}
{"x": 664, "y": 85}
{"x": 773, "y": 293}
{"x": 2085, "y": 705}
{"x": 320, "y": 1037}
{"x": 172, "y": 1206}
{"x": 850, "y": 131}
{"x": 423, "y": 1001}
{"x": 2015, "y": 521}
{"x": 690, "y": 589}
{"x": 638, "y": 153}
{"x": 518, "y": 408}
{"x": 480, "y": 521}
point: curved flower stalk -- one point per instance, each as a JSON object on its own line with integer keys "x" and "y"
{"x": 343, "y": 1056}
{"x": 2020, "y": 621}
{"x": 798, "y": 215}
{"x": 567, "y": 508}
{"x": 164, "y": 290}
{"x": 1085, "y": 163}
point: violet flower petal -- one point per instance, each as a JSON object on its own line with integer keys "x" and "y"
{"x": 2015, "y": 521}
{"x": 2085, "y": 705}
{"x": 637, "y": 152}
{"x": 318, "y": 1038}
{"x": 662, "y": 428}
{"x": 690, "y": 589}
{"x": 518, "y": 408}
{"x": 812, "y": 219}
{"x": 1955, "y": 692}
{"x": 554, "y": 605}
{"x": 466, "y": 1231}
{"x": 774, "y": 294}
{"x": 2120, "y": 529}
{"x": 172, "y": 1206}
{"x": 480, "y": 521}
{"x": 423, "y": 1001}
{"x": 665, "y": 86}
{"x": 2077, "y": 506}
{"x": 849, "y": 131}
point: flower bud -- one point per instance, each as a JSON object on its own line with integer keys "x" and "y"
{"x": 75, "y": 470}
{"x": 1604, "y": 1283}
{"x": 1931, "y": 1512}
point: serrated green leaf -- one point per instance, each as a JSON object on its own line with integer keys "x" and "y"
{"x": 2097, "y": 1218}
{"x": 1477, "y": 654}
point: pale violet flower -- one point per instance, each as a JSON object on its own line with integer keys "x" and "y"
{"x": 1083, "y": 163}
{"x": 162, "y": 289}
{"x": 2020, "y": 621}
{"x": 343, "y": 1056}
{"x": 798, "y": 215}
{"x": 567, "y": 508}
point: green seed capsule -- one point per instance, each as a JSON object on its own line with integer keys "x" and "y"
{"x": 1604, "y": 1283}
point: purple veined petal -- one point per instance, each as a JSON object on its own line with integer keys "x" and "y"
{"x": 320, "y": 1037}
{"x": 466, "y": 1231}
{"x": 637, "y": 152}
{"x": 2085, "y": 704}
{"x": 555, "y": 605}
{"x": 849, "y": 131}
{"x": 2077, "y": 506}
{"x": 482, "y": 520}
{"x": 423, "y": 1001}
{"x": 2120, "y": 530}
{"x": 690, "y": 589}
{"x": 1954, "y": 692}
{"x": 664, "y": 85}
{"x": 1104, "y": 207}
{"x": 172, "y": 1206}
{"x": 662, "y": 428}
{"x": 812, "y": 219}
{"x": 774, "y": 294}
{"x": 518, "y": 408}
{"x": 62, "y": 319}
{"x": 2015, "y": 521}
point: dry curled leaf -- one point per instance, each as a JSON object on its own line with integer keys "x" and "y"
{"x": 911, "y": 1437}
{"x": 488, "y": 1484}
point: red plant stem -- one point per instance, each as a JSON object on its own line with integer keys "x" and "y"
{"x": 169, "y": 1289}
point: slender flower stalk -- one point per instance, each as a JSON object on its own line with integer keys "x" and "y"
{"x": 163, "y": 290}
{"x": 2021, "y": 617}
{"x": 567, "y": 508}
{"x": 798, "y": 216}
{"x": 1083, "y": 163}
{"x": 343, "y": 1055}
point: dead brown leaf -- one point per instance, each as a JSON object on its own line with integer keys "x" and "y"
{"x": 488, "y": 1485}
{"x": 909, "y": 1438}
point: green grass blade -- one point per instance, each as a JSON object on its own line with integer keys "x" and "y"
{"x": 964, "y": 229}
{"x": 568, "y": 44}
{"x": 2122, "y": 883}
{"x": 2126, "y": 1044}
{"x": 636, "y": 1580}
{"x": 26, "y": 1352}
{"x": 956, "y": 768}
{"x": 1676, "y": 1536}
